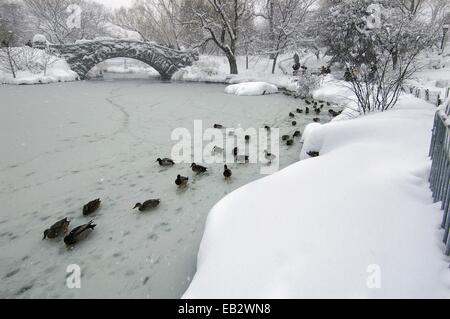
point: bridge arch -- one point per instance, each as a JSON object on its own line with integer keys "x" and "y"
{"x": 84, "y": 55}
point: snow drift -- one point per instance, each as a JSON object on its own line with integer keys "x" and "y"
{"x": 251, "y": 88}
{"x": 321, "y": 227}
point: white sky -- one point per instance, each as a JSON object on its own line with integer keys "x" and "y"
{"x": 116, "y": 3}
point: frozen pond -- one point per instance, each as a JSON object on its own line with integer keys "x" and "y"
{"x": 66, "y": 144}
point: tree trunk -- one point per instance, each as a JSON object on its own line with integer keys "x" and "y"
{"x": 275, "y": 59}
{"x": 11, "y": 62}
{"x": 233, "y": 64}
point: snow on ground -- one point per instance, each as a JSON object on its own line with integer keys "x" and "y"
{"x": 216, "y": 69}
{"x": 363, "y": 205}
{"x": 251, "y": 88}
{"x": 66, "y": 144}
{"x": 57, "y": 71}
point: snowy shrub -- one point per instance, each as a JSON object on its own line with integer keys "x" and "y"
{"x": 25, "y": 59}
{"x": 307, "y": 83}
{"x": 378, "y": 57}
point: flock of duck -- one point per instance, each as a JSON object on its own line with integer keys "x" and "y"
{"x": 79, "y": 233}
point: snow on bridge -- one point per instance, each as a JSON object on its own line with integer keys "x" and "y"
{"x": 82, "y": 56}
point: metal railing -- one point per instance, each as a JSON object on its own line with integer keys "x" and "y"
{"x": 440, "y": 169}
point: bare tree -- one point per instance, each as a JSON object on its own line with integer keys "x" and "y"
{"x": 7, "y": 53}
{"x": 223, "y": 26}
{"x": 284, "y": 24}
{"x": 49, "y": 17}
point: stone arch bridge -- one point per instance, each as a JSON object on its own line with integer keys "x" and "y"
{"x": 84, "y": 55}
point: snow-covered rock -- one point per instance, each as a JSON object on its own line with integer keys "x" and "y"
{"x": 251, "y": 88}
{"x": 356, "y": 222}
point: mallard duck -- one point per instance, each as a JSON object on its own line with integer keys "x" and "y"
{"x": 198, "y": 168}
{"x": 58, "y": 229}
{"x": 147, "y": 205}
{"x": 317, "y": 111}
{"x": 294, "y": 123}
{"x": 165, "y": 162}
{"x": 317, "y": 120}
{"x": 91, "y": 207}
{"x": 307, "y": 102}
{"x": 313, "y": 154}
{"x": 218, "y": 126}
{"x": 291, "y": 114}
{"x": 269, "y": 156}
{"x": 307, "y": 110}
{"x": 181, "y": 181}
{"x": 333, "y": 113}
{"x": 290, "y": 142}
{"x": 79, "y": 233}
{"x": 299, "y": 111}
{"x": 297, "y": 134}
{"x": 285, "y": 137}
{"x": 227, "y": 172}
{"x": 328, "y": 103}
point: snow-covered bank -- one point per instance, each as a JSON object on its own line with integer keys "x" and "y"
{"x": 215, "y": 69}
{"x": 327, "y": 226}
{"x": 251, "y": 88}
{"x": 37, "y": 67}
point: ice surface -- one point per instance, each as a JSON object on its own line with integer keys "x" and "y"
{"x": 66, "y": 144}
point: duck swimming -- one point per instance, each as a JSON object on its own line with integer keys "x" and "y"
{"x": 227, "y": 173}
{"x": 91, "y": 207}
{"x": 299, "y": 111}
{"x": 290, "y": 142}
{"x": 181, "y": 181}
{"x": 317, "y": 120}
{"x": 58, "y": 229}
{"x": 147, "y": 205}
{"x": 79, "y": 233}
{"x": 285, "y": 137}
{"x": 269, "y": 156}
{"x": 198, "y": 168}
{"x": 291, "y": 114}
{"x": 218, "y": 126}
{"x": 165, "y": 162}
{"x": 297, "y": 134}
{"x": 294, "y": 123}
{"x": 313, "y": 154}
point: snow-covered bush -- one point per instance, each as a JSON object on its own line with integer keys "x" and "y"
{"x": 25, "y": 59}
{"x": 307, "y": 83}
{"x": 378, "y": 56}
